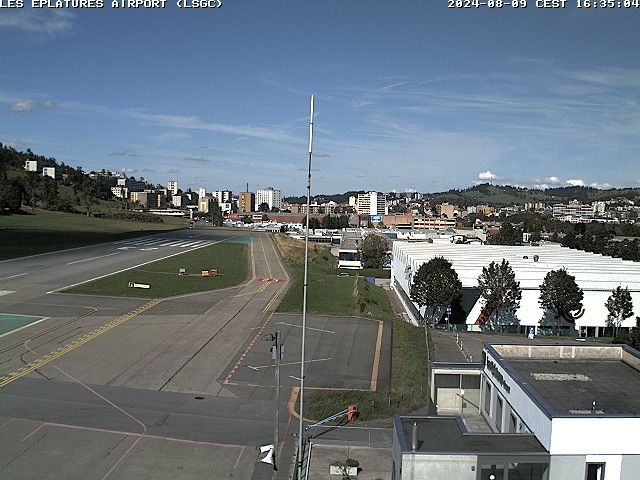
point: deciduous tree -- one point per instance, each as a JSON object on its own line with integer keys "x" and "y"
{"x": 560, "y": 293}
{"x": 500, "y": 290}
{"x": 435, "y": 285}
{"x": 373, "y": 249}
{"x": 620, "y": 308}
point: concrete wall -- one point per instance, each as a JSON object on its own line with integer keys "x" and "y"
{"x": 528, "y": 411}
{"x": 595, "y": 435}
{"x": 564, "y": 467}
{"x": 630, "y": 467}
{"x": 458, "y": 467}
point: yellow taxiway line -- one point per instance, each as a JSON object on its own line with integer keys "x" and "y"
{"x": 78, "y": 342}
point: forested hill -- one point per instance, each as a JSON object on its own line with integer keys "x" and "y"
{"x": 71, "y": 191}
{"x": 499, "y": 195}
{"x": 504, "y": 195}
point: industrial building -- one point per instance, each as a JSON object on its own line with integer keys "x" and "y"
{"x": 528, "y": 412}
{"x": 596, "y": 275}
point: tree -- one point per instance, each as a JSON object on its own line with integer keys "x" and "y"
{"x": 620, "y": 308}
{"x": 560, "y": 293}
{"x": 10, "y": 197}
{"x": 263, "y": 207}
{"x": 508, "y": 235}
{"x": 499, "y": 289}
{"x": 216, "y": 214}
{"x": 435, "y": 285}
{"x": 373, "y": 250}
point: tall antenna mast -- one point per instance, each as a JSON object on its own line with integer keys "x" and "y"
{"x": 304, "y": 301}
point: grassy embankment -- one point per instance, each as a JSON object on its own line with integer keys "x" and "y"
{"x": 230, "y": 259}
{"x": 330, "y": 294}
{"x": 47, "y": 231}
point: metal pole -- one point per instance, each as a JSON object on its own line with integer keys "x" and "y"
{"x": 278, "y": 355}
{"x": 304, "y": 301}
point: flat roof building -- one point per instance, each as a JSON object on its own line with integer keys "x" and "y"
{"x": 553, "y": 412}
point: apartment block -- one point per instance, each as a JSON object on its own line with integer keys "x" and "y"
{"x": 270, "y": 196}
{"x": 246, "y": 202}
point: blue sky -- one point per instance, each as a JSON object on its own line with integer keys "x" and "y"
{"x": 409, "y": 95}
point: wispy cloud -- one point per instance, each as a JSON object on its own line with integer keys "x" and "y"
{"x": 31, "y": 105}
{"x": 45, "y": 21}
{"x": 125, "y": 152}
{"x": 196, "y": 158}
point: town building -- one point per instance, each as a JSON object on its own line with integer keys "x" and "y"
{"x": 446, "y": 210}
{"x": 172, "y": 187}
{"x": 431, "y": 223}
{"x": 31, "y": 165}
{"x": 596, "y": 275}
{"x": 223, "y": 196}
{"x": 246, "y": 202}
{"x": 270, "y": 196}
{"x": 573, "y": 209}
{"x": 372, "y": 203}
{"x": 49, "y": 172}
{"x": 529, "y": 412}
{"x": 146, "y": 199}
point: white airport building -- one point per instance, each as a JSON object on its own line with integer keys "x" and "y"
{"x": 528, "y": 412}
{"x": 596, "y": 275}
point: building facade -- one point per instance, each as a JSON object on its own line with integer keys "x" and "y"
{"x": 246, "y": 202}
{"x": 270, "y": 196}
{"x": 372, "y": 203}
{"x": 546, "y": 411}
{"x": 31, "y": 165}
{"x": 172, "y": 186}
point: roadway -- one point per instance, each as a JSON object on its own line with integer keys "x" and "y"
{"x": 132, "y": 388}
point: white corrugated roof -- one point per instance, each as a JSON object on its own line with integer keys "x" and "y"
{"x": 592, "y": 271}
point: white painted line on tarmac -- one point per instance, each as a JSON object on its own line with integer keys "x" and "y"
{"x": 93, "y": 258}
{"x": 308, "y": 328}
{"x": 288, "y": 363}
{"x": 6, "y": 292}
{"x": 14, "y": 276}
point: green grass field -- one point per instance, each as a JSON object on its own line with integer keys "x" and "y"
{"x": 47, "y": 231}
{"x": 230, "y": 259}
{"x": 328, "y": 293}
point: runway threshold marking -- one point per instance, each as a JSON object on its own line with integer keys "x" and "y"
{"x": 78, "y": 342}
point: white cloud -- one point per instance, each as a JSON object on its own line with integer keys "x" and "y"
{"x": 541, "y": 186}
{"x": 52, "y": 23}
{"x": 31, "y": 105}
{"x": 23, "y": 106}
{"x": 576, "y": 182}
{"x": 553, "y": 179}
{"x": 488, "y": 175}
{"x": 600, "y": 186}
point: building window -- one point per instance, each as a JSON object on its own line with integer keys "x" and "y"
{"x": 487, "y": 398}
{"x": 499, "y": 414}
{"x": 513, "y": 423}
{"x": 595, "y": 471}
